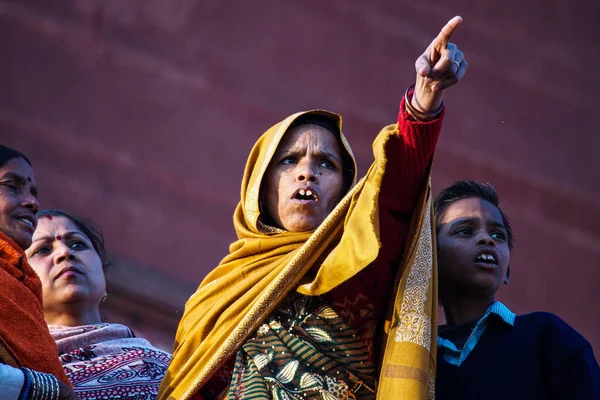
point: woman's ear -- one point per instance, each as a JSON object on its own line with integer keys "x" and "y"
{"x": 507, "y": 277}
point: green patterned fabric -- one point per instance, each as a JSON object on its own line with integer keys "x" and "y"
{"x": 304, "y": 350}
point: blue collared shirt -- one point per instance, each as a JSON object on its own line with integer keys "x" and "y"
{"x": 456, "y": 356}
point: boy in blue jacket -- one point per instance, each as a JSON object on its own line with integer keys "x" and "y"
{"x": 485, "y": 351}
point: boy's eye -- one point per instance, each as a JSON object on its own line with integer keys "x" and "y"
{"x": 498, "y": 236}
{"x": 463, "y": 231}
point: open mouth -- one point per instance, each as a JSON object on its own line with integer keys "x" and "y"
{"x": 27, "y": 220}
{"x": 487, "y": 258}
{"x": 305, "y": 195}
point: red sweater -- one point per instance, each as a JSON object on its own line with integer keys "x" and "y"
{"x": 363, "y": 300}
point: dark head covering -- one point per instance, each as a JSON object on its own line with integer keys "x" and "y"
{"x": 7, "y": 154}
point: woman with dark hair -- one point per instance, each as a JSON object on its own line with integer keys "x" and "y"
{"x": 102, "y": 360}
{"x": 28, "y": 365}
{"x": 329, "y": 291}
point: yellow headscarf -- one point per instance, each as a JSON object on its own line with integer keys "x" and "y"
{"x": 266, "y": 263}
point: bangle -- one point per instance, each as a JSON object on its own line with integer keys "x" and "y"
{"x": 416, "y": 114}
{"x": 38, "y": 386}
{"x": 26, "y": 388}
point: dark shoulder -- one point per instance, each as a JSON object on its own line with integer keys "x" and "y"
{"x": 552, "y": 333}
{"x": 541, "y": 317}
{"x": 544, "y": 320}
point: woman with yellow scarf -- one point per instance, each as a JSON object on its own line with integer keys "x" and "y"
{"x": 329, "y": 291}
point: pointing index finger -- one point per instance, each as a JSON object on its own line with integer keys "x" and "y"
{"x": 444, "y": 36}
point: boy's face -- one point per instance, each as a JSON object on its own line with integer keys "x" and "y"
{"x": 473, "y": 252}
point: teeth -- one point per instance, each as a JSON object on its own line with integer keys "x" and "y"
{"x": 302, "y": 192}
{"x": 28, "y": 222}
{"x": 487, "y": 257}
{"x": 309, "y": 193}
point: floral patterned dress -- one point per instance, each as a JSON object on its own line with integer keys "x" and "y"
{"x": 107, "y": 361}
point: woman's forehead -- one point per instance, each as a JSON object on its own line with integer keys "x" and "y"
{"x": 19, "y": 167}
{"x": 309, "y": 135}
{"x": 54, "y": 223}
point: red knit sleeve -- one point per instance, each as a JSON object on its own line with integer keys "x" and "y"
{"x": 363, "y": 300}
{"x": 409, "y": 157}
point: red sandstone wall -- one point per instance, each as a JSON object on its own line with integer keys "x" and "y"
{"x": 140, "y": 114}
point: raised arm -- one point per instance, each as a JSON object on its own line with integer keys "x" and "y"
{"x": 441, "y": 66}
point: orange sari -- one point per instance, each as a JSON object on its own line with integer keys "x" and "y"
{"x": 24, "y": 337}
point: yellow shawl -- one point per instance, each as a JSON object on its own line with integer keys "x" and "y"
{"x": 266, "y": 263}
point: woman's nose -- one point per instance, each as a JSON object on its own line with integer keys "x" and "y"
{"x": 306, "y": 172}
{"x": 62, "y": 254}
{"x": 31, "y": 203}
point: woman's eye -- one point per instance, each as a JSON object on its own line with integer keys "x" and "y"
{"x": 78, "y": 246}
{"x": 42, "y": 251}
{"x": 288, "y": 160}
{"x": 10, "y": 186}
{"x": 327, "y": 164}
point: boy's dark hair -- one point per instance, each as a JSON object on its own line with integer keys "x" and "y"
{"x": 465, "y": 189}
{"x": 87, "y": 227}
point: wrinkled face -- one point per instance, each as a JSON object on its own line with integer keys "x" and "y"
{"x": 473, "y": 252}
{"x": 18, "y": 201}
{"x": 67, "y": 264}
{"x": 304, "y": 181}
